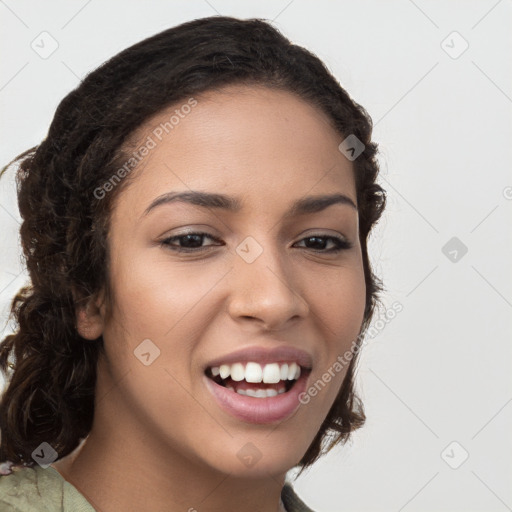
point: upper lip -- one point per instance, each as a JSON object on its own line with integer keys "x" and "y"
{"x": 281, "y": 354}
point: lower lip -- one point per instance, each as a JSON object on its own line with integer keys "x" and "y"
{"x": 258, "y": 410}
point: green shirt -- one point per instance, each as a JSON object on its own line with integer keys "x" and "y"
{"x": 45, "y": 490}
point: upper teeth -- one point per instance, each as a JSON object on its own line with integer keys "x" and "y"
{"x": 254, "y": 372}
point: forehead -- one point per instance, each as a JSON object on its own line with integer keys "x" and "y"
{"x": 254, "y": 141}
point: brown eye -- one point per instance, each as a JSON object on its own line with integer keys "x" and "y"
{"x": 188, "y": 242}
{"x": 319, "y": 242}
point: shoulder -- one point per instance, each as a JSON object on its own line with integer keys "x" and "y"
{"x": 39, "y": 490}
{"x": 19, "y": 490}
{"x": 291, "y": 501}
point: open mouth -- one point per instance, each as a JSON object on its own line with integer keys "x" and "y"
{"x": 260, "y": 389}
{"x": 238, "y": 388}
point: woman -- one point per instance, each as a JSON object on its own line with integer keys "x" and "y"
{"x": 195, "y": 228}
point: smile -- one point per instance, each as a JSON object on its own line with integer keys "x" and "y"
{"x": 258, "y": 393}
{"x": 275, "y": 378}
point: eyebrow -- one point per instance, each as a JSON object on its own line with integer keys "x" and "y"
{"x": 310, "y": 204}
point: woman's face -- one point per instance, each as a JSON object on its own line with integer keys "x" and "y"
{"x": 263, "y": 277}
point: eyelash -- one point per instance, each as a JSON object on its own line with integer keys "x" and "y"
{"x": 341, "y": 244}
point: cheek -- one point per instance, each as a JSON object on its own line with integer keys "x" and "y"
{"x": 154, "y": 295}
{"x": 339, "y": 301}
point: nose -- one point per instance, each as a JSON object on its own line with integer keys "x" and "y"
{"x": 266, "y": 291}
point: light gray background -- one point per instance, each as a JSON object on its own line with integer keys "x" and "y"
{"x": 440, "y": 370}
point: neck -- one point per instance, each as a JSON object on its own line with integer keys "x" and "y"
{"x": 122, "y": 467}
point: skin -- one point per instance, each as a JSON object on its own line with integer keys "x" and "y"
{"x": 159, "y": 440}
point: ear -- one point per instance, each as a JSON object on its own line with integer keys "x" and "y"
{"x": 90, "y": 317}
